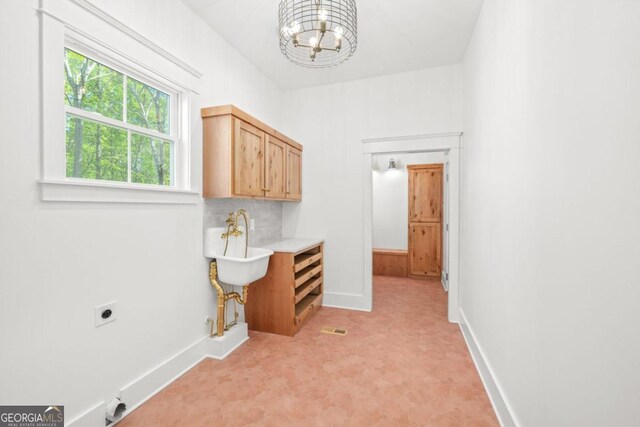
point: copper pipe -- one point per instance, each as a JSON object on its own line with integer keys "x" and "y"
{"x": 242, "y": 300}
{"x": 213, "y": 278}
{"x": 222, "y": 299}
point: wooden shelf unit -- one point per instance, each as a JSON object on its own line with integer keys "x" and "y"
{"x": 246, "y": 158}
{"x": 290, "y": 293}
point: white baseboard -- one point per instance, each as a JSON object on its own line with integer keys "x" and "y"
{"x": 148, "y": 385}
{"x": 219, "y": 348}
{"x": 92, "y": 417}
{"x": 142, "y": 389}
{"x": 500, "y": 404}
{"x": 346, "y": 301}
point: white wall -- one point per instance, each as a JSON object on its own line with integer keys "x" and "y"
{"x": 390, "y": 193}
{"x": 550, "y": 202}
{"x": 59, "y": 260}
{"x": 331, "y": 122}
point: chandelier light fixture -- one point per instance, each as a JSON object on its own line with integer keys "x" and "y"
{"x": 318, "y": 33}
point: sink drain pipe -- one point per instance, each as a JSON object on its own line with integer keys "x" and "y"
{"x": 222, "y": 299}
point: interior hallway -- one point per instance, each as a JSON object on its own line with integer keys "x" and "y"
{"x": 403, "y": 364}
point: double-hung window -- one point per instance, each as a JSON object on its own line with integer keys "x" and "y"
{"x": 118, "y": 128}
{"x": 115, "y": 111}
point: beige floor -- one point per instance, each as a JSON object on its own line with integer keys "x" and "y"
{"x": 403, "y": 364}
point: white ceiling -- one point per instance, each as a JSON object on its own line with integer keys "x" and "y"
{"x": 393, "y": 36}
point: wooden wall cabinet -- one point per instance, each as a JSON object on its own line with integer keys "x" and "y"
{"x": 276, "y": 168}
{"x": 245, "y": 158}
{"x": 294, "y": 174}
{"x": 248, "y": 160}
{"x": 290, "y": 293}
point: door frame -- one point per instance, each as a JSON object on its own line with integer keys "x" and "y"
{"x": 449, "y": 144}
{"x": 445, "y": 232}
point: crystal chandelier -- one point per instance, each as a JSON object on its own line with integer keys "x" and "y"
{"x": 318, "y": 33}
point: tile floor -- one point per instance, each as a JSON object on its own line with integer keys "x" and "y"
{"x": 403, "y": 364}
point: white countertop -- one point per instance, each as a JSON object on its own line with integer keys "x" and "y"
{"x": 293, "y": 245}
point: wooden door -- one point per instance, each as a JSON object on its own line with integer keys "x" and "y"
{"x": 294, "y": 173}
{"x": 425, "y": 193}
{"x": 425, "y": 219}
{"x": 425, "y": 253}
{"x": 248, "y": 160}
{"x": 275, "y": 168}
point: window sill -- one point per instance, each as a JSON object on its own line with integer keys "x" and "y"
{"x": 93, "y": 192}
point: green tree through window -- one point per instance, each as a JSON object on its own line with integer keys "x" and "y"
{"x": 105, "y": 143}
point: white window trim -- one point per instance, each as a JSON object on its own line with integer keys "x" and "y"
{"x": 71, "y": 190}
{"x": 56, "y": 35}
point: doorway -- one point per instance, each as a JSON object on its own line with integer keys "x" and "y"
{"x": 447, "y": 147}
{"x": 408, "y": 214}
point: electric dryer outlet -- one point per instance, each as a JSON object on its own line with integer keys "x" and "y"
{"x": 105, "y": 313}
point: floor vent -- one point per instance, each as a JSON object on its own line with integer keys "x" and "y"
{"x": 333, "y": 331}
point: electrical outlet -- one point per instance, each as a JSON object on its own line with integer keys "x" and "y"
{"x": 105, "y": 313}
{"x": 252, "y": 224}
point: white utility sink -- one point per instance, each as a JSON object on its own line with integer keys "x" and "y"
{"x": 234, "y": 268}
{"x": 243, "y": 271}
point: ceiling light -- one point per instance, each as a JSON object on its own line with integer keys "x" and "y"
{"x": 330, "y": 26}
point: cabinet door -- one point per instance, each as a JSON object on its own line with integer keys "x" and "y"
{"x": 248, "y": 160}
{"x": 275, "y": 168}
{"x": 294, "y": 173}
{"x": 425, "y": 249}
{"x": 425, "y": 193}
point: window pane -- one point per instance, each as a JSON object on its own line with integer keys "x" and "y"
{"x": 95, "y": 151}
{"x": 92, "y": 86}
{"x": 150, "y": 160}
{"x": 147, "y": 107}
